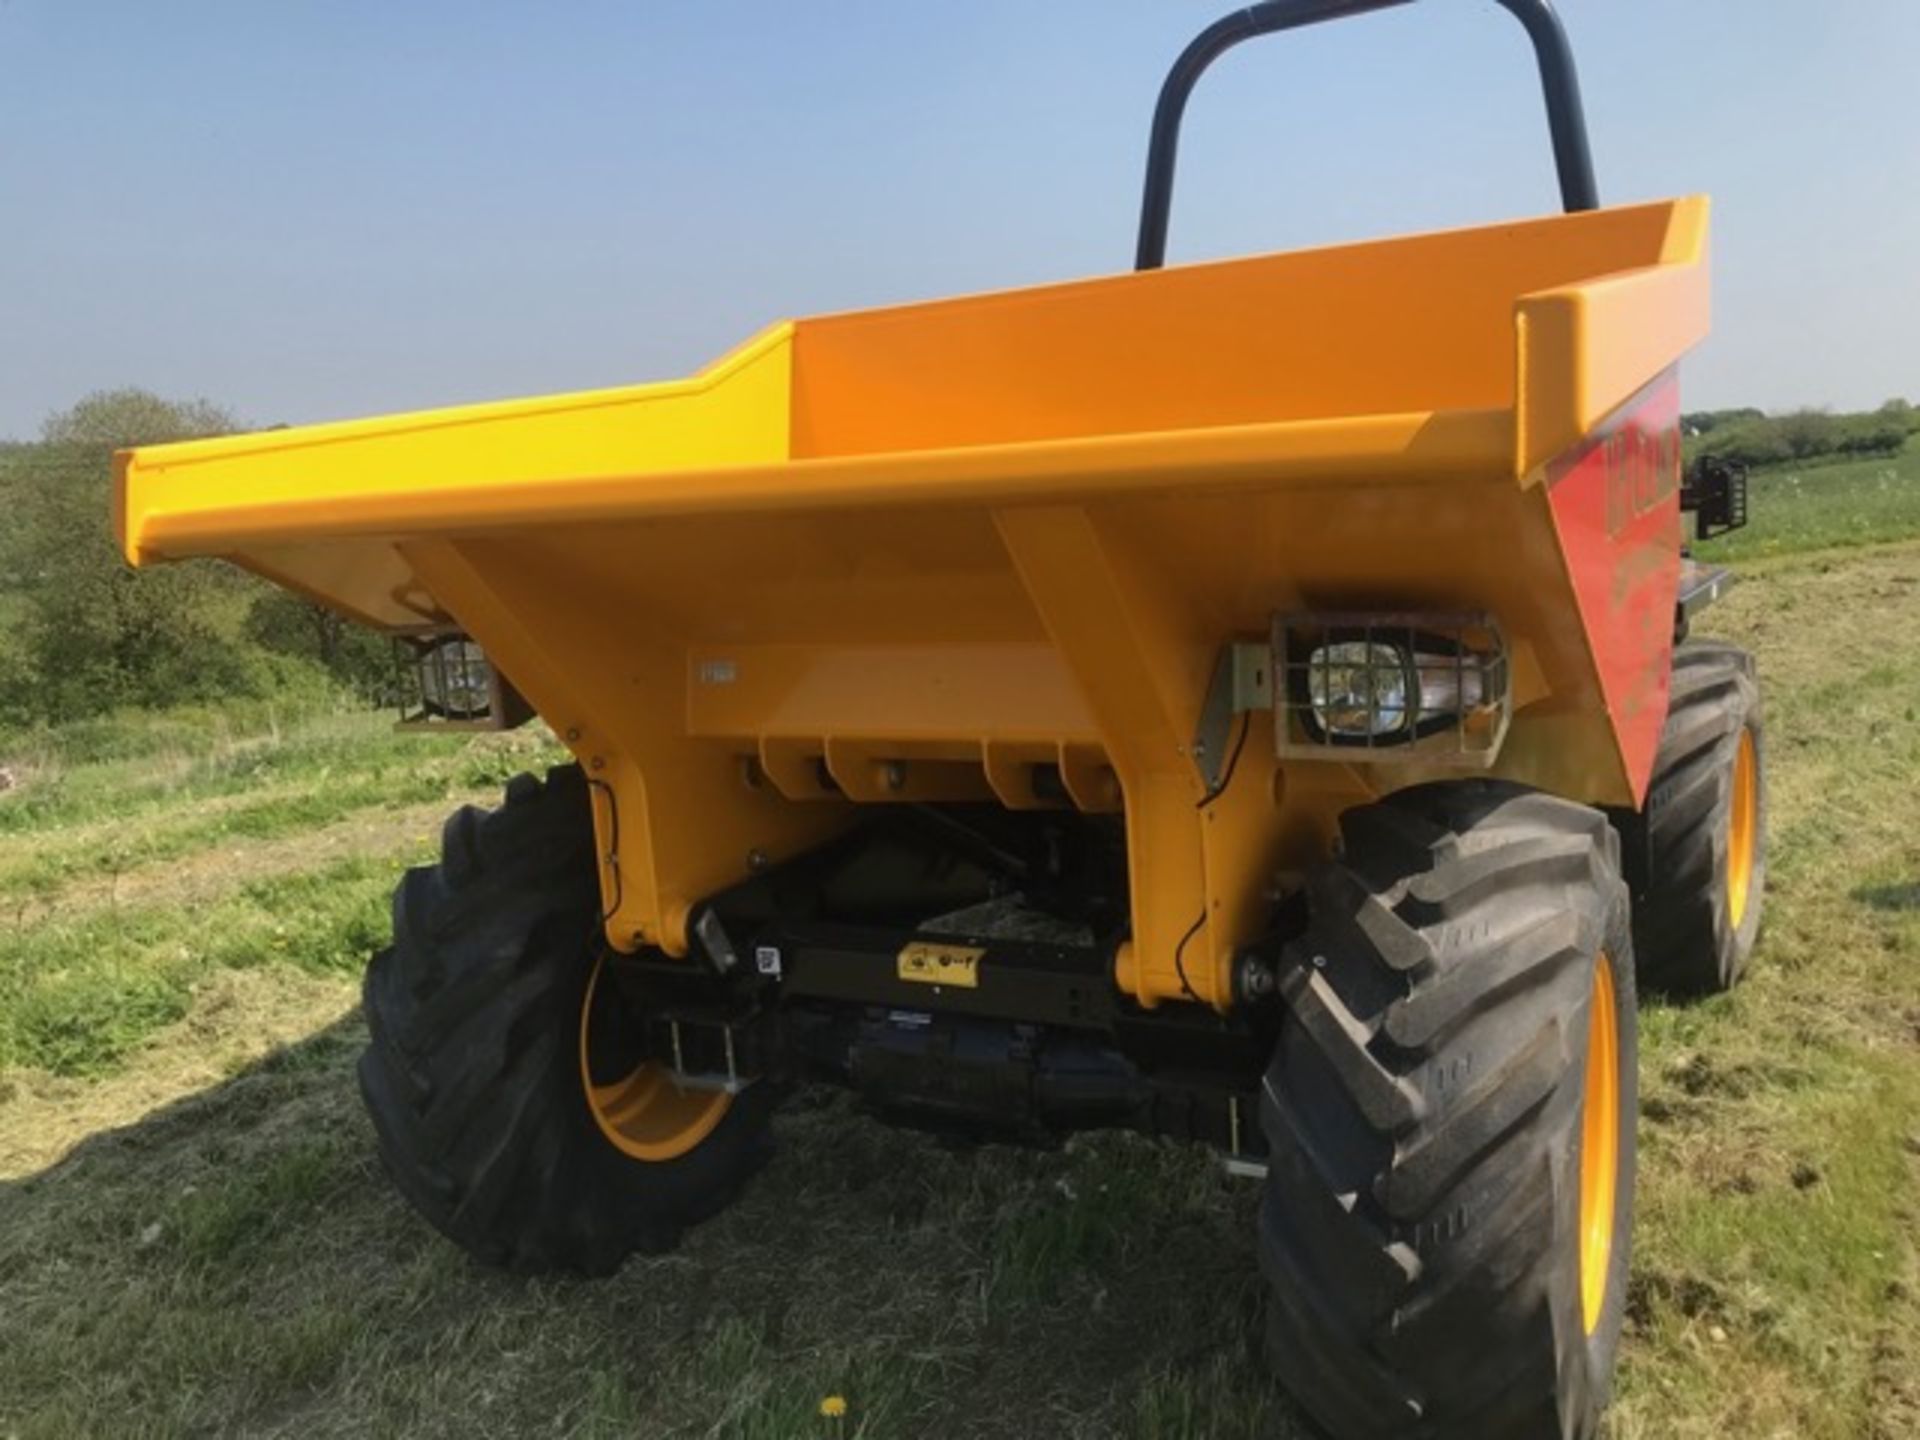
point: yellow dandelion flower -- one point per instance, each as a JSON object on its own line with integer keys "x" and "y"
{"x": 834, "y": 1406}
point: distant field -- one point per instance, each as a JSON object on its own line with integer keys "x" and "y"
{"x": 195, "y": 1237}
{"x": 1862, "y": 502}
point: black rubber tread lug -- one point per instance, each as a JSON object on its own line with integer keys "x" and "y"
{"x": 1471, "y": 881}
{"x": 389, "y": 1115}
{"x": 491, "y": 1167}
{"x": 1492, "y": 1229}
{"x": 460, "y": 846}
{"x": 1388, "y": 1101}
{"x": 1352, "y": 1256}
{"x": 1348, "y": 905}
{"x": 1501, "y": 1103}
{"x": 1313, "y": 1351}
{"x": 383, "y": 976}
{"x": 1547, "y": 946}
{"x": 1379, "y": 847}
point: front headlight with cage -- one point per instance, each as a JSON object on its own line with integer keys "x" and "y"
{"x": 443, "y": 679}
{"x": 1438, "y": 682}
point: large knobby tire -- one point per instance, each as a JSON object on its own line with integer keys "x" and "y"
{"x": 1697, "y": 855}
{"x": 1451, "y": 1113}
{"x": 476, "y": 1074}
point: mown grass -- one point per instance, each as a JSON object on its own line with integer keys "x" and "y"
{"x": 82, "y": 994}
{"x": 86, "y": 982}
{"x": 298, "y": 802}
{"x": 200, "y": 763}
{"x": 1778, "y": 1189}
{"x": 231, "y": 1261}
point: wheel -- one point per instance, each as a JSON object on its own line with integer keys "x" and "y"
{"x": 1450, "y": 1113}
{"x": 510, "y": 1105}
{"x": 1697, "y": 855}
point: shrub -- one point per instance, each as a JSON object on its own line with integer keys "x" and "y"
{"x": 86, "y": 635}
{"x": 1705, "y": 422}
{"x": 1801, "y": 436}
{"x": 288, "y": 625}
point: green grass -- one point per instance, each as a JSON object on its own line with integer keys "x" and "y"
{"x": 222, "y": 1255}
{"x": 83, "y": 994}
{"x": 201, "y": 763}
{"x": 283, "y": 809}
{"x": 88, "y": 979}
{"x": 1799, "y": 508}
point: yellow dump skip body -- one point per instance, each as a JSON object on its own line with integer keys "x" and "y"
{"x": 913, "y": 553}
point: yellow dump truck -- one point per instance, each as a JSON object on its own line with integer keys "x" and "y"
{"x": 1247, "y": 702}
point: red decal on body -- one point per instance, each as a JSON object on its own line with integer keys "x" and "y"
{"x": 1616, "y": 508}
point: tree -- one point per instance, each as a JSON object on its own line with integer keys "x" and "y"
{"x": 1807, "y": 432}
{"x": 1705, "y": 422}
{"x": 288, "y": 624}
{"x": 89, "y": 634}
{"x": 96, "y": 633}
{"x": 114, "y": 419}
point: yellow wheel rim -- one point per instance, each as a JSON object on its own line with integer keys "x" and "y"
{"x": 645, "y": 1114}
{"x": 1599, "y": 1146}
{"x": 1743, "y": 823}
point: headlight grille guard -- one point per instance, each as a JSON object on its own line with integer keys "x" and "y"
{"x": 442, "y": 680}
{"x": 1424, "y": 652}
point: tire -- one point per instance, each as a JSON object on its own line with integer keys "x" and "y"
{"x": 474, "y": 1073}
{"x": 1424, "y": 1228}
{"x": 1694, "y": 926}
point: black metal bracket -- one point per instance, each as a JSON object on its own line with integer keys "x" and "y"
{"x": 1565, "y": 115}
{"x": 1715, "y": 490}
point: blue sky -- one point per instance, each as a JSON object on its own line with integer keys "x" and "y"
{"x": 308, "y": 210}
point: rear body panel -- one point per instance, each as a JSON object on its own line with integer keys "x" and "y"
{"x": 990, "y": 548}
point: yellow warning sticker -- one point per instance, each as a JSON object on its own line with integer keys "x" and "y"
{"x": 927, "y": 963}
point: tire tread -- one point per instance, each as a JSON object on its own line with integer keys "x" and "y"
{"x": 470, "y": 1073}
{"x": 1413, "y": 1230}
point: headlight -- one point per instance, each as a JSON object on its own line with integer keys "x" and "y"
{"x": 455, "y": 680}
{"x": 1359, "y": 689}
{"x": 445, "y": 681}
{"x": 1354, "y": 680}
{"x": 1363, "y": 688}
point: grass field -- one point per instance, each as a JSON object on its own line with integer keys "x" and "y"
{"x": 1798, "y": 508}
{"x": 195, "y": 1237}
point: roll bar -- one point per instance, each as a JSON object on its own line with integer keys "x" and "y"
{"x": 1565, "y": 116}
